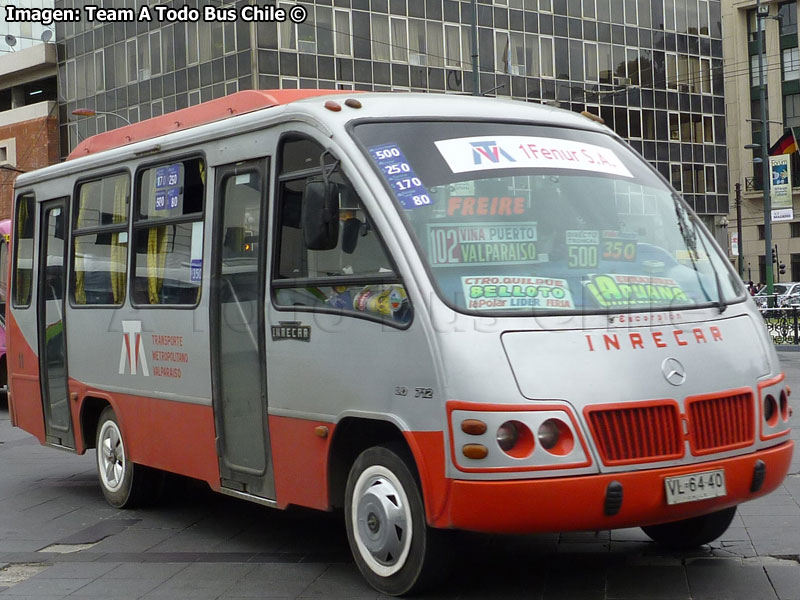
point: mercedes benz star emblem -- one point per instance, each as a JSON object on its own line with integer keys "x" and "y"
{"x": 673, "y": 371}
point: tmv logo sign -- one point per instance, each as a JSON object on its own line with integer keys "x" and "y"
{"x": 490, "y": 151}
{"x": 132, "y": 352}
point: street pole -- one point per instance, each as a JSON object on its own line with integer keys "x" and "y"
{"x": 739, "y": 240}
{"x": 476, "y": 79}
{"x": 765, "y": 179}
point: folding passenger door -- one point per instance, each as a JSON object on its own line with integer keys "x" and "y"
{"x": 52, "y": 339}
{"x": 237, "y": 327}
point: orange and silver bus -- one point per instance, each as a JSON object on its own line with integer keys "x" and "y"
{"x": 434, "y": 312}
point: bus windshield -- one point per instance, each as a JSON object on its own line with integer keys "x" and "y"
{"x": 515, "y": 218}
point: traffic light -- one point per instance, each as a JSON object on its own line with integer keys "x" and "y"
{"x": 782, "y": 268}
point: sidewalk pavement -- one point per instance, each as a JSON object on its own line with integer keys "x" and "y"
{"x": 60, "y": 540}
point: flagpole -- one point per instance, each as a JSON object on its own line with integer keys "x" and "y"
{"x": 765, "y": 178}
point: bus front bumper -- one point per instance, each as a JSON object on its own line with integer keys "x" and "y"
{"x": 580, "y": 504}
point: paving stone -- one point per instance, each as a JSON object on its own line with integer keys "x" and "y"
{"x": 576, "y": 583}
{"x": 71, "y": 570}
{"x": 117, "y": 589}
{"x": 647, "y": 583}
{"x": 162, "y": 571}
{"x": 721, "y": 579}
{"x": 276, "y": 581}
{"x": 339, "y": 581}
{"x": 36, "y": 586}
{"x": 785, "y": 580}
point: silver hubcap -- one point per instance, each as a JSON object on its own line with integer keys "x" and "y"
{"x": 382, "y": 520}
{"x": 111, "y": 456}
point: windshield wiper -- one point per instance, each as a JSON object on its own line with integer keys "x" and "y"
{"x": 691, "y": 243}
{"x": 721, "y": 306}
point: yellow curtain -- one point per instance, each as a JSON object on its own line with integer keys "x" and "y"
{"x": 202, "y": 168}
{"x": 119, "y": 250}
{"x": 80, "y": 243}
{"x": 156, "y": 259}
{"x": 24, "y": 275}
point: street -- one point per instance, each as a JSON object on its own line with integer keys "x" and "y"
{"x": 59, "y": 539}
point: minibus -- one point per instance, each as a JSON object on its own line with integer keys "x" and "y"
{"x": 432, "y": 312}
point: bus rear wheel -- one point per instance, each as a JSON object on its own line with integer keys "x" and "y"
{"x": 124, "y": 484}
{"x": 690, "y": 533}
{"x": 393, "y": 546}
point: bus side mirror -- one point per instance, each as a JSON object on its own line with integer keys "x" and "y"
{"x": 320, "y": 215}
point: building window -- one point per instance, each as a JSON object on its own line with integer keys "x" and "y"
{"x": 791, "y": 110}
{"x": 791, "y": 63}
{"x": 532, "y": 55}
{"x": 399, "y": 39}
{"x": 380, "y": 37}
{"x": 287, "y": 32}
{"x": 795, "y": 266}
{"x": 711, "y": 183}
{"x": 342, "y": 36}
{"x": 794, "y": 227}
{"x": 434, "y": 44}
{"x": 452, "y": 46}
{"x": 788, "y": 19}
{"x": 752, "y": 23}
{"x": 755, "y": 79}
{"x": 590, "y": 60}
{"x": 675, "y": 176}
{"x": 760, "y": 229}
{"x": 548, "y": 67}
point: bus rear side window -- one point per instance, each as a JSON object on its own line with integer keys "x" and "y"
{"x": 23, "y": 265}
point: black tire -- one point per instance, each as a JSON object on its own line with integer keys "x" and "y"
{"x": 690, "y": 533}
{"x": 124, "y": 484}
{"x": 382, "y": 494}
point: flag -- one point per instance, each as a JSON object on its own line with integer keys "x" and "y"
{"x": 787, "y": 144}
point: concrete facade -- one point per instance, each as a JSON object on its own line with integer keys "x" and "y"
{"x": 28, "y": 116}
{"x": 741, "y": 105}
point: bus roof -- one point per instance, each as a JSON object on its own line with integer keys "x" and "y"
{"x": 248, "y": 110}
{"x": 186, "y": 118}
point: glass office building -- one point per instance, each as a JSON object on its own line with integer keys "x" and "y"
{"x": 651, "y": 68}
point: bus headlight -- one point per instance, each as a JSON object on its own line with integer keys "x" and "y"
{"x": 556, "y": 437}
{"x": 515, "y": 439}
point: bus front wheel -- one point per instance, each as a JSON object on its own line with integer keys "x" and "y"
{"x": 124, "y": 484}
{"x": 393, "y": 546}
{"x": 690, "y": 533}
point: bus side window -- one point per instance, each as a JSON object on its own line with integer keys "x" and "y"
{"x": 100, "y": 241}
{"x": 23, "y": 265}
{"x": 336, "y": 273}
{"x": 3, "y": 279}
{"x": 168, "y": 233}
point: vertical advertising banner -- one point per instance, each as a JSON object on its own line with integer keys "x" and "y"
{"x": 734, "y": 244}
{"x": 780, "y": 187}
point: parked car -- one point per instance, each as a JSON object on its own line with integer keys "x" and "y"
{"x": 785, "y": 294}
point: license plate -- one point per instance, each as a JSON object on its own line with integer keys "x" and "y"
{"x": 695, "y": 486}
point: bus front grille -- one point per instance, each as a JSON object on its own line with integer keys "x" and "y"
{"x": 719, "y": 423}
{"x": 636, "y": 433}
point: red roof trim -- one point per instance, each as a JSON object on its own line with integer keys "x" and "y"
{"x": 207, "y": 112}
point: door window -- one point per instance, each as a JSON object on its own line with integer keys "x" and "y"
{"x": 353, "y": 272}
{"x": 23, "y": 266}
